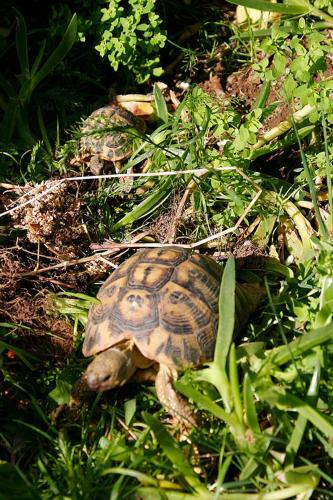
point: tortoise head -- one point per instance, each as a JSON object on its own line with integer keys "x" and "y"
{"x": 109, "y": 369}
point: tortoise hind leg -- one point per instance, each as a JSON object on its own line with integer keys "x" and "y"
{"x": 177, "y": 406}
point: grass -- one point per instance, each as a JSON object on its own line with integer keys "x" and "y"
{"x": 265, "y": 400}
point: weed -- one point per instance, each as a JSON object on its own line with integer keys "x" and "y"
{"x": 132, "y": 38}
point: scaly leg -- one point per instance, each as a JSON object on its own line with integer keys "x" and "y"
{"x": 175, "y": 404}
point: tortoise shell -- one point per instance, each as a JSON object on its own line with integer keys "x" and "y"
{"x": 114, "y": 143}
{"x": 165, "y": 300}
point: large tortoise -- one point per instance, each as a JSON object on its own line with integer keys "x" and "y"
{"x": 158, "y": 314}
{"x": 106, "y": 137}
{"x": 158, "y": 309}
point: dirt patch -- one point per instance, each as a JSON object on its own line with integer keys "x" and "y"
{"x": 52, "y": 216}
{"x": 163, "y": 226}
{"x": 40, "y": 333}
{"x": 245, "y": 85}
{"x": 47, "y": 251}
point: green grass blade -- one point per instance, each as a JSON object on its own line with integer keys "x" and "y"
{"x": 234, "y": 383}
{"x": 327, "y": 167}
{"x": 43, "y": 130}
{"x": 38, "y": 59}
{"x": 149, "y": 493}
{"x": 50, "y": 481}
{"x": 303, "y": 486}
{"x": 288, "y": 402}
{"x": 311, "y": 184}
{"x": 301, "y": 421}
{"x": 140, "y": 476}
{"x": 22, "y": 44}
{"x": 35, "y": 429}
{"x": 23, "y": 129}
{"x": 86, "y": 301}
{"x": 8, "y": 89}
{"x": 262, "y": 97}
{"x": 298, "y": 8}
{"x": 309, "y": 340}
{"x": 14, "y": 325}
{"x": 173, "y": 452}
{"x": 285, "y": 142}
{"x": 20, "y": 353}
{"x": 226, "y": 314}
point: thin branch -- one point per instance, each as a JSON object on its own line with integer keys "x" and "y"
{"x": 67, "y": 263}
{"x": 198, "y": 171}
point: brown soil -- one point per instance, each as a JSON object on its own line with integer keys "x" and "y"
{"x": 49, "y": 233}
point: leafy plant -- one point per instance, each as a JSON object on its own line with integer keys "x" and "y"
{"x": 133, "y": 37}
{"x": 15, "y": 96}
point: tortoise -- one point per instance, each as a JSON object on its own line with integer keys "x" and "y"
{"x": 114, "y": 143}
{"x": 158, "y": 314}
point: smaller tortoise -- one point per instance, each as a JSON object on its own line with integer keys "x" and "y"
{"x": 106, "y": 138}
{"x": 158, "y": 309}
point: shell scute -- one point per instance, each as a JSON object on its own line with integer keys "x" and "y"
{"x": 198, "y": 282}
{"x": 150, "y": 277}
{"x": 168, "y": 256}
{"x": 136, "y": 311}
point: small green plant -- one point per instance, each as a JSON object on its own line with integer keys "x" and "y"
{"x": 133, "y": 37}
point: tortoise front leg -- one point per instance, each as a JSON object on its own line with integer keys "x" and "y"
{"x": 175, "y": 404}
{"x": 96, "y": 165}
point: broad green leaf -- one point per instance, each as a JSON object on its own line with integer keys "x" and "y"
{"x": 62, "y": 392}
{"x": 249, "y": 406}
{"x": 57, "y": 55}
{"x": 130, "y": 409}
{"x": 234, "y": 383}
{"x": 161, "y": 107}
{"x": 146, "y": 206}
{"x": 226, "y": 314}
